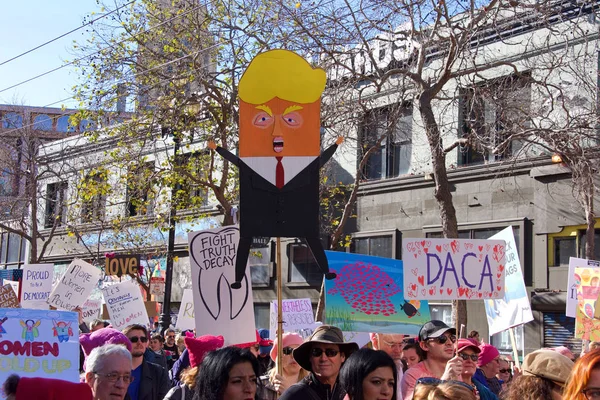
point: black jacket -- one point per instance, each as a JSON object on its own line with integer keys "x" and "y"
{"x": 155, "y": 383}
{"x": 310, "y": 388}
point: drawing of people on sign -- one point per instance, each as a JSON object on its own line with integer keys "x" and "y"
{"x": 279, "y": 153}
{"x": 62, "y": 330}
{"x": 30, "y": 329}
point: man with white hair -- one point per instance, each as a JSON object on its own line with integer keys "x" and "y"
{"x": 108, "y": 371}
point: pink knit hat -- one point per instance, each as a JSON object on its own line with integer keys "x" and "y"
{"x": 198, "y": 347}
{"x": 287, "y": 338}
{"x": 487, "y": 355}
{"x": 52, "y": 389}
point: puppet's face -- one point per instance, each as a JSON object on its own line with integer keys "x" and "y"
{"x": 279, "y": 128}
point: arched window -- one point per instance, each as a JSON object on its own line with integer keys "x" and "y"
{"x": 87, "y": 125}
{"x": 42, "y": 122}
{"x": 12, "y": 121}
{"x": 62, "y": 124}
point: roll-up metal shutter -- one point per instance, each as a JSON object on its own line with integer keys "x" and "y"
{"x": 559, "y": 330}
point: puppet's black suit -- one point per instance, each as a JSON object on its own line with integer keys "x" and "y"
{"x": 292, "y": 211}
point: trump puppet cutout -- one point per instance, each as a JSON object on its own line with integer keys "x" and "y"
{"x": 279, "y": 153}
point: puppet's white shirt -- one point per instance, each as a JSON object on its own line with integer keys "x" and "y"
{"x": 265, "y": 166}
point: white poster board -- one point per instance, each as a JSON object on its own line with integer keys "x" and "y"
{"x": 297, "y": 314}
{"x": 185, "y": 318}
{"x": 573, "y": 283}
{"x": 514, "y": 308}
{"x": 75, "y": 285}
{"x": 219, "y": 309}
{"x": 36, "y": 285}
{"x": 91, "y": 310}
{"x": 125, "y": 304}
{"x": 453, "y": 269}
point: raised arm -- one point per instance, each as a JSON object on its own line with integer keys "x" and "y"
{"x": 326, "y": 155}
{"x": 226, "y": 154}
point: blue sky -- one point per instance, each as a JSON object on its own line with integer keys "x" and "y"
{"x": 27, "y": 24}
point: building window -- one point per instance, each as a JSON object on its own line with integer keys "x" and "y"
{"x": 489, "y": 113}
{"x": 8, "y": 186}
{"x": 262, "y": 316}
{"x": 140, "y": 196}
{"x": 391, "y": 128}
{"x": 42, "y": 122}
{"x": 441, "y": 312}
{"x": 12, "y": 250}
{"x": 302, "y": 265}
{"x": 63, "y": 125}
{"x": 94, "y": 190}
{"x": 572, "y": 245}
{"x": 12, "y": 121}
{"x": 260, "y": 261}
{"x": 87, "y": 125}
{"x": 56, "y": 205}
{"x": 378, "y": 243}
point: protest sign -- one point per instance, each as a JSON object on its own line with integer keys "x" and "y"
{"x": 219, "y": 309}
{"x": 573, "y": 283}
{"x": 157, "y": 286}
{"x": 13, "y": 284}
{"x": 74, "y": 287}
{"x": 91, "y": 310}
{"x": 514, "y": 308}
{"x": 185, "y": 318}
{"x": 297, "y": 314}
{"x": 125, "y": 304}
{"x": 588, "y": 289}
{"x": 367, "y": 296}
{"x": 451, "y": 269}
{"x": 36, "y": 285}
{"x": 39, "y": 343}
{"x": 8, "y": 298}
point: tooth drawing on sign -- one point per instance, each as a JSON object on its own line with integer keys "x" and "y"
{"x": 279, "y": 154}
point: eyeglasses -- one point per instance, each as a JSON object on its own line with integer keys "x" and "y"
{"x": 113, "y": 377}
{"x": 409, "y": 341}
{"x": 436, "y": 381}
{"x": 318, "y": 352}
{"x": 393, "y": 345}
{"x": 134, "y": 339}
{"x": 443, "y": 339}
{"x": 591, "y": 393}
{"x": 505, "y": 371}
{"x": 473, "y": 357}
{"x": 288, "y": 350}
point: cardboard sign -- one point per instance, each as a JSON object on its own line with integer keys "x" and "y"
{"x": 121, "y": 265}
{"x": 91, "y": 310}
{"x": 219, "y": 309}
{"x": 297, "y": 315}
{"x": 367, "y": 296}
{"x": 36, "y": 285}
{"x": 13, "y": 284}
{"x": 157, "y": 286}
{"x": 125, "y": 304}
{"x": 185, "y": 318}
{"x": 39, "y": 343}
{"x": 573, "y": 283}
{"x": 8, "y": 298}
{"x": 514, "y": 308}
{"x": 453, "y": 269}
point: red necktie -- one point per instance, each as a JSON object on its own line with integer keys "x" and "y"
{"x": 279, "y": 175}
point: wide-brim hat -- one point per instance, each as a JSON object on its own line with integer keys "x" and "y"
{"x": 326, "y": 334}
{"x": 548, "y": 364}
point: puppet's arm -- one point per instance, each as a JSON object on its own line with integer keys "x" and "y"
{"x": 326, "y": 155}
{"x": 226, "y": 154}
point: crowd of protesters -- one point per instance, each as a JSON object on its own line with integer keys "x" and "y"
{"x": 138, "y": 364}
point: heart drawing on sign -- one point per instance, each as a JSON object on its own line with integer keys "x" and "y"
{"x": 421, "y": 280}
{"x": 423, "y": 292}
{"x": 449, "y": 291}
{"x": 462, "y": 291}
{"x": 438, "y": 248}
{"x": 480, "y": 248}
{"x": 414, "y": 271}
{"x": 410, "y": 247}
{"x": 432, "y": 290}
{"x": 498, "y": 252}
{"x": 413, "y": 286}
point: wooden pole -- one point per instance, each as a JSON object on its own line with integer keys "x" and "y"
{"x": 279, "y": 310}
{"x": 513, "y": 342}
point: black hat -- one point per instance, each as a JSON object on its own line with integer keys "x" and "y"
{"x": 433, "y": 329}
{"x": 323, "y": 334}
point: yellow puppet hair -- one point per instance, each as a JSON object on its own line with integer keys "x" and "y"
{"x": 282, "y": 74}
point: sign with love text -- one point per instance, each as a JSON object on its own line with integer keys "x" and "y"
{"x": 36, "y": 285}
{"x": 125, "y": 304}
{"x": 75, "y": 286}
{"x": 185, "y": 318}
{"x": 450, "y": 269}
{"x": 219, "y": 309}
{"x": 39, "y": 343}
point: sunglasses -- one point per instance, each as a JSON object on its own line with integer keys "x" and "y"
{"x": 443, "y": 339}
{"x": 473, "y": 357}
{"x": 318, "y": 352}
{"x": 134, "y": 339}
{"x": 171, "y": 336}
{"x": 288, "y": 350}
{"x": 504, "y": 371}
{"x": 409, "y": 341}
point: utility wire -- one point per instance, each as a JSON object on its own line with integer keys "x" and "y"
{"x": 65, "y": 34}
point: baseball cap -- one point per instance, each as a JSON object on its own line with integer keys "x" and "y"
{"x": 433, "y": 329}
{"x": 466, "y": 344}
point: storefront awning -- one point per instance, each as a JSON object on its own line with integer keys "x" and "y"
{"x": 549, "y": 301}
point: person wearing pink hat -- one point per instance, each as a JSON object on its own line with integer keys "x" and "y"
{"x": 489, "y": 367}
{"x": 17, "y": 388}
{"x": 469, "y": 352}
{"x": 273, "y": 384}
{"x": 254, "y": 347}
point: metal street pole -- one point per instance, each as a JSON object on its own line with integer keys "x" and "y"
{"x": 165, "y": 316}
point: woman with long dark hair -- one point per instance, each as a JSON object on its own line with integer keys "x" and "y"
{"x": 369, "y": 375}
{"x": 230, "y": 373}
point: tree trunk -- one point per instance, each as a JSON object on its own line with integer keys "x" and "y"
{"x": 589, "y": 216}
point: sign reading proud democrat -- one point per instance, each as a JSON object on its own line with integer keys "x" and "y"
{"x": 75, "y": 286}
{"x": 219, "y": 309}
{"x": 447, "y": 269}
{"x": 36, "y": 285}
